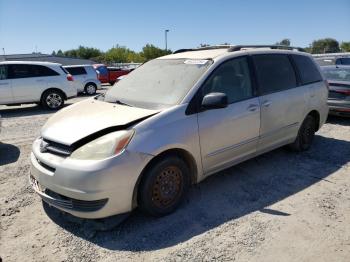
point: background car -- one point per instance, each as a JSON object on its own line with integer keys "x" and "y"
{"x": 109, "y": 74}
{"x": 23, "y": 82}
{"x": 332, "y": 60}
{"x": 338, "y": 78}
{"x": 85, "y": 78}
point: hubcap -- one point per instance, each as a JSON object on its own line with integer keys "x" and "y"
{"x": 167, "y": 187}
{"x": 90, "y": 89}
{"x": 54, "y": 100}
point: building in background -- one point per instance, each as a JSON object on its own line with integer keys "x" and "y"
{"x": 46, "y": 58}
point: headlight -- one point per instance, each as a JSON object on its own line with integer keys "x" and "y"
{"x": 105, "y": 146}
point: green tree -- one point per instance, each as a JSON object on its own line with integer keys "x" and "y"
{"x": 285, "y": 42}
{"x": 345, "y": 46}
{"x": 150, "y": 52}
{"x": 326, "y": 45}
{"x": 53, "y": 53}
{"x": 59, "y": 53}
{"x": 119, "y": 54}
{"x": 83, "y": 52}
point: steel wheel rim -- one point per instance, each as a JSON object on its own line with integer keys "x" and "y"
{"x": 54, "y": 100}
{"x": 90, "y": 89}
{"x": 167, "y": 186}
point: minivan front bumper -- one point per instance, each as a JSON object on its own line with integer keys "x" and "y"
{"x": 84, "y": 188}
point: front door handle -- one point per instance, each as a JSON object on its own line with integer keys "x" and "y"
{"x": 253, "y": 107}
{"x": 266, "y": 103}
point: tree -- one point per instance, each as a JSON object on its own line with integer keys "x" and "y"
{"x": 59, "y": 53}
{"x": 345, "y": 46}
{"x": 285, "y": 42}
{"x": 53, "y": 53}
{"x": 326, "y": 45}
{"x": 83, "y": 52}
{"x": 150, "y": 52}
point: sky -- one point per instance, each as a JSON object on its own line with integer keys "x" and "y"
{"x": 45, "y": 25}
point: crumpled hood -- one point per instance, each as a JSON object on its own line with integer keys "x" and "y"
{"x": 82, "y": 119}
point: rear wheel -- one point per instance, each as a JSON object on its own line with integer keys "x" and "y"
{"x": 305, "y": 135}
{"x": 52, "y": 99}
{"x": 90, "y": 89}
{"x": 164, "y": 186}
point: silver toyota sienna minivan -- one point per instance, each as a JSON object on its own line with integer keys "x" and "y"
{"x": 173, "y": 122}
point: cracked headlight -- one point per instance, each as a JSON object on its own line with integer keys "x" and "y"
{"x": 104, "y": 146}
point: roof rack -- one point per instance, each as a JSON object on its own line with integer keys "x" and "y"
{"x": 240, "y": 47}
{"x": 203, "y": 48}
{"x": 234, "y": 48}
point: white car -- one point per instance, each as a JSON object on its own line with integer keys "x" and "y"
{"x": 85, "y": 78}
{"x": 23, "y": 82}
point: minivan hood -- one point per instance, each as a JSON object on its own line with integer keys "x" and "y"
{"x": 85, "y": 118}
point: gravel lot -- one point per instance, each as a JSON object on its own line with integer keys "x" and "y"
{"x": 280, "y": 206}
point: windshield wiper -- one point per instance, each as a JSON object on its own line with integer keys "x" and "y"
{"x": 122, "y": 103}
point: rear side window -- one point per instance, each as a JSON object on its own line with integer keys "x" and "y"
{"x": 20, "y": 71}
{"x": 275, "y": 73}
{"x": 3, "y": 72}
{"x": 76, "y": 70}
{"x": 25, "y": 71}
{"x": 344, "y": 61}
{"x": 44, "y": 71}
{"x": 308, "y": 71}
{"x": 102, "y": 70}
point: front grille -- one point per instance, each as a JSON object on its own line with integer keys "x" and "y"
{"x": 55, "y": 148}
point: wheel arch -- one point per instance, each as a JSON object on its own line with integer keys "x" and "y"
{"x": 54, "y": 89}
{"x": 316, "y": 115}
{"x": 181, "y": 153}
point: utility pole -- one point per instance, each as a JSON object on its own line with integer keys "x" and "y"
{"x": 166, "y": 39}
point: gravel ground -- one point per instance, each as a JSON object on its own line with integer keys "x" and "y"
{"x": 280, "y": 206}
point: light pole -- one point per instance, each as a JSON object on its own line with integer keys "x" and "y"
{"x": 166, "y": 39}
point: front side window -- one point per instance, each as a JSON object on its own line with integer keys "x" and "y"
{"x": 275, "y": 73}
{"x": 231, "y": 78}
{"x": 345, "y": 61}
{"x": 307, "y": 69}
{"x": 3, "y": 72}
{"x": 337, "y": 74}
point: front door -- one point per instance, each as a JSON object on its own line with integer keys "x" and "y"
{"x": 230, "y": 134}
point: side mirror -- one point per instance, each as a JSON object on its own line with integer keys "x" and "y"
{"x": 214, "y": 101}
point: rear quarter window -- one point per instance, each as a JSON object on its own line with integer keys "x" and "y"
{"x": 274, "y": 72}
{"x": 308, "y": 71}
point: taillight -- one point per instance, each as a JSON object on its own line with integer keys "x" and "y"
{"x": 70, "y": 77}
{"x": 327, "y": 84}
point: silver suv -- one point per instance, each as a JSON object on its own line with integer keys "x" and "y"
{"x": 85, "y": 78}
{"x": 173, "y": 122}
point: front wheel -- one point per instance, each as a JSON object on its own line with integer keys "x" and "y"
{"x": 163, "y": 186}
{"x": 52, "y": 99}
{"x": 305, "y": 136}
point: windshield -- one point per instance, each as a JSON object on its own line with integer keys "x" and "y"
{"x": 158, "y": 83}
{"x": 337, "y": 74}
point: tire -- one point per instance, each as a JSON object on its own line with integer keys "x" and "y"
{"x": 164, "y": 186}
{"x": 305, "y": 136}
{"x": 52, "y": 99}
{"x": 90, "y": 89}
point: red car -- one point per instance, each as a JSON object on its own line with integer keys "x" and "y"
{"x": 109, "y": 74}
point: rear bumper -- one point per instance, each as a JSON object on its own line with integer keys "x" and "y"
{"x": 339, "y": 107}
